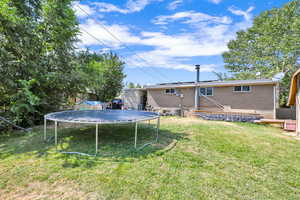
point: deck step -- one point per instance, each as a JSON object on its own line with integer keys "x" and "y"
{"x": 270, "y": 121}
{"x": 288, "y": 125}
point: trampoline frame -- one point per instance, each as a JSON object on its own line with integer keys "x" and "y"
{"x": 136, "y": 121}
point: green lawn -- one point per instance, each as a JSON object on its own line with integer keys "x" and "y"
{"x": 194, "y": 159}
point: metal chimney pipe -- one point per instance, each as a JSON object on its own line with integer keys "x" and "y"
{"x": 198, "y": 72}
{"x": 197, "y": 100}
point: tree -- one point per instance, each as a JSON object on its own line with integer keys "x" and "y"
{"x": 38, "y": 71}
{"x": 221, "y": 76}
{"x": 270, "y": 46}
{"x": 39, "y": 67}
{"x": 103, "y": 74}
{"x": 138, "y": 86}
{"x": 131, "y": 85}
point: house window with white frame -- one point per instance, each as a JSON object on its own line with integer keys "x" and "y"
{"x": 207, "y": 91}
{"x": 170, "y": 91}
{"x": 242, "y": 88}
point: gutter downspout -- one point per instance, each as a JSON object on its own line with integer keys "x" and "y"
{"x": 274, "y": 100}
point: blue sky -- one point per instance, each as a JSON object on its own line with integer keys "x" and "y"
{"x": 162, "y": 40}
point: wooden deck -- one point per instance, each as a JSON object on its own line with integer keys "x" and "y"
{"x": 270, "y": 121}
{"x": 288, "y": 125}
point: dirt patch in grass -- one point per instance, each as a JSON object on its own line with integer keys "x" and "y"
{"x": 43, "y": 190}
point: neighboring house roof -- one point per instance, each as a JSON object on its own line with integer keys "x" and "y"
{"x": 293, "y": 89}
{"x": 213, "y": 83}
{"x": 134, "y": 89}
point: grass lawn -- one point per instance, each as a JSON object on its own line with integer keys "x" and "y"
{"x": 194, "y": 159}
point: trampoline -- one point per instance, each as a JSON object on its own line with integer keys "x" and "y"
{"x": 98, "y": 117}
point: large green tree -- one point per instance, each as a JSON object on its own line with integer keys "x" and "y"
{"x": 37, "y": 66}
{"x": 103, "y": 74}
{"x": 132, "y": 85}
{"x": 270, "y": 46}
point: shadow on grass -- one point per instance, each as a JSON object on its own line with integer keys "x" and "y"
{"x": 115, "y": 143}
{"x": 18, "y": 143}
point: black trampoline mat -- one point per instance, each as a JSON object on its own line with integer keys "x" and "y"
{"x": 101, "y": 116}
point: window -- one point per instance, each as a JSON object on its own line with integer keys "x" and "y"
{"x": 203, "y": 91}
{"x": 170, "y": 91}
{"x": 243, "y": 88}
{"x": 206, "y": 91}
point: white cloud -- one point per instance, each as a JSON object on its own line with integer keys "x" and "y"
{"x": 215, "y": 1}
{"x": 207, "y": 36}
{"x": 107, "y": 7}
{"x": 79, "y": 12}
{"x": 246, "y": 14}
{"x": 169, "y": 51}
{"x": 101, "y": 34}
{"x": 173, "y": 51}
{"x": 169, "y": 62}
{"x": 174, "y": 4}
{"x": 138, "y": 5}
{"x": 183, "y": 45}
{"x": 189, "y": 17}
{"x": 131, "y": 6}
{"x": 209, "y": 42}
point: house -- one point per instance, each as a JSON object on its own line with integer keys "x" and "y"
{"x": 243, "y": 96}
{"x": 294, "y": 97}
{"x": 134, "y": 98}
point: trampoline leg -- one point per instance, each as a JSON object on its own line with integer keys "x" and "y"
{"x": 45, "y": 129}
{"x": 55, "y": 132}
{"x": 135, "y": 138}
{"x": 96, "y": 139}
{"x": 157, "y": 128}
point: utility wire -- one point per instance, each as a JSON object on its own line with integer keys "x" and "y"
{"x": 141, "y": 69}
{"x": 93, "y": 37}
{"x": 116, "y": 38}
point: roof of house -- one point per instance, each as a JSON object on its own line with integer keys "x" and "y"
{"x": 189, "y": 82}
{"x": 135, "y": 89}
{"x": 213, "y": 83}
{"x": 293, "y": 89}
